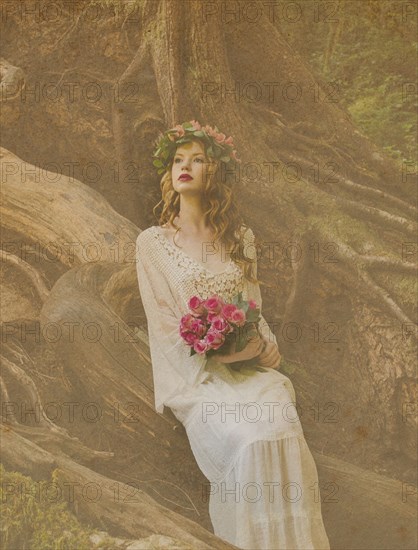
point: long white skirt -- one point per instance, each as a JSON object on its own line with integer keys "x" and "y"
{"x": 247, "y": 439}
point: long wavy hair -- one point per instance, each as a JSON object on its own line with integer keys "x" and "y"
{"x": 221, "y": 214}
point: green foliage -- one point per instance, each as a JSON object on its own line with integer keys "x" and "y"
{"x": 33, "y": 518}
{"x": 368, "y": 50}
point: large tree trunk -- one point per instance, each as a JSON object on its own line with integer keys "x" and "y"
{"x": 331, "y": 193}
{"x": 337, "y": 252}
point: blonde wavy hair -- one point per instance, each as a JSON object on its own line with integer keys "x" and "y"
{"x": 221, "y": 214}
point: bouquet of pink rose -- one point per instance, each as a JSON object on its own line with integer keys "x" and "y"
{"x": 213, "y": 324}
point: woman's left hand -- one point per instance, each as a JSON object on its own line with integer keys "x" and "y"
{"x": 270, "y": 357}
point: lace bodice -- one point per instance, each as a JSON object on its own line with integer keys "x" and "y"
{"x": 194, "y": 278}
{"x": 167, "y": 279}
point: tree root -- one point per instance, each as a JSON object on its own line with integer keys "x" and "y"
{"x": 357, "y": 263}
{"x": 377, "y": 262}
{"x": 381, "y": 217}
{"x": 367, "y": 191}
{"x": 32, "y": 273}
{"x": 360, "y": 190}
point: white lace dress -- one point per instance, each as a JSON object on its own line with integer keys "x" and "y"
{"x": 242, "y": 426}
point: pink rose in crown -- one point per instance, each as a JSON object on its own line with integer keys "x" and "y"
{"x": 220, "y": 138}
{"x": 180, "y": 131}
{"x": 229, "y": 141}
{"x": 196, "y": 125}
{"x": 210, "y": 131}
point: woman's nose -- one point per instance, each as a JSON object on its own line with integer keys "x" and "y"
{"x": 185, "y": 163}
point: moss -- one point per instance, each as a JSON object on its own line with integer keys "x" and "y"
{"x": 34, "y": 519}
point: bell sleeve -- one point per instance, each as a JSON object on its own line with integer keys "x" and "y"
{"x": 253, "y": 289}
{"x": 173, "y": 368}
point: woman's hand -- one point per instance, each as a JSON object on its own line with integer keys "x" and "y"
{"x": 270, "y": 356}
{"x": 252, "y": 349}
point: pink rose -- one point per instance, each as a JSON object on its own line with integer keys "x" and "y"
{"x": 195, "y": 125}
{"x": 198, "y": 327}
{"x": 238, "y": 317}
{"x": 211, "y": 316}
{"x": 215, "y": 339}
{"x": 197, "y": 305}
{"x": 190, "y": 338}
{"x": 252, "y": 304}
{"x": 229, "y": 141}
{"x": 200, "y": 346}
{"x": 228, "y": 310}
{"x": 186, "y": 322}
{"x": 214, "y": 304}
{"x": 210, "y": 131}
{"x": 180, "y": 130}
{"x": 220, "y": 138}
{"x": 218, "y": 323}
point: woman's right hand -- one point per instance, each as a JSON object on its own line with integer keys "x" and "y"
{"x": 253, "y": 348}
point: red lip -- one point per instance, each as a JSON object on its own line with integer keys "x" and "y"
{"x": 185, "y": 177}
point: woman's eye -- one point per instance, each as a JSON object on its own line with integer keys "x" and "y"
{"x": 199, "y": 159}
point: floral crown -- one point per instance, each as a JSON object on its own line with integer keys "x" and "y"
{"x": 218, "y": 145}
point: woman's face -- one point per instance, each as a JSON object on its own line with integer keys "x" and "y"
{"x": 189, "y": 168}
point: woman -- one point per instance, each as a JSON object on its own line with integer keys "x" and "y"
{"x": 242, "y": 425}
